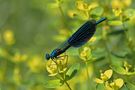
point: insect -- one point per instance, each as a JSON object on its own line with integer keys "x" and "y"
{"x": 79, "y": 38}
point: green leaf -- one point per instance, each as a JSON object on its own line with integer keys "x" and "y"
{"x": 117, "y": 64}
{"x": 53, "y": 83}
{"x": 115, "y": 23}
{"x": 130, "y": 86}
{"x": 124, "y": 87}
{"x": 97, "y": 11}
{"x": 119, "y": 69}
{"x": 100, "y": 87}
{"x": 129, "y": 12}
{"x": 72, "y": 71}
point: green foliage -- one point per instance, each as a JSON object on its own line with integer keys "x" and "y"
{"x": 30, "y": 28}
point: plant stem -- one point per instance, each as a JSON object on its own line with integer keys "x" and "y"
{"x": 106, "y": 47}
{"x": 68, "y": 85}
{"x": 87, "y": 71}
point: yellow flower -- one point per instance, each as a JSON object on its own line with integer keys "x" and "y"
{"x": 117, "y": 11}
{"x": 115, "y": 85}
{"x": 62, "y": 64}
{"x": 104, "y": 76}
{"x": 52, "y": 68}
{"x": 8, "y": 37}
{"x": 57, "y": 66}
{"x": 119, "y": 82}
{"x": 81, "y": 5}
{"x": 86, "y": 53}
{"x": 108, "y": 86}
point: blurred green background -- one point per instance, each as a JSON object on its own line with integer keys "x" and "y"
{"x": 31, "y": 28}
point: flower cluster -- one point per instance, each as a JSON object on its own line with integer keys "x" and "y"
{"x": 55, "y": 67}
{"x": 109, "y": 85}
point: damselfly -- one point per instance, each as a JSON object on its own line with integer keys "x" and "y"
{"x": 79, "y": 38}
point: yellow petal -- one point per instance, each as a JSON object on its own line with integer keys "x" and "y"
{"x": 108, "y": 73}
{"x": 51, "y": 67}
{"x": 119, "y": 82}
{"x": 98, "y": 80}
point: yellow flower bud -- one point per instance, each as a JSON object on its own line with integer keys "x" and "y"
{"x": 127, "y": 66}
{"x": 86, "y": 53}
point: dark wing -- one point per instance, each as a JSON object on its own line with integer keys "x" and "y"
{"x": 83, "y": 34}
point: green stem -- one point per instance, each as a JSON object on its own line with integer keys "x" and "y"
{"x": 63, "y": 77}
{"x": 62, "y": 14}
{"x": 87, "y": 71}
{"x": 68, "y": 85}
{"x": 106, "y": 48}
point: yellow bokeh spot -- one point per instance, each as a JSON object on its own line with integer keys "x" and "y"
{"x": 17, "y": 76}
{"x": 36, "y": 64}
{"x": 8, "y": 37}
{"x": 121, "y": 3}
{"x": 116, "y": 4}
{"x": 18, "y": 57}
{"x": 127, "y": 2}
{"x": 3, "y": 52}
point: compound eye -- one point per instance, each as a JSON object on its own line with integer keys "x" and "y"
{"x": 47, "y": 56}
